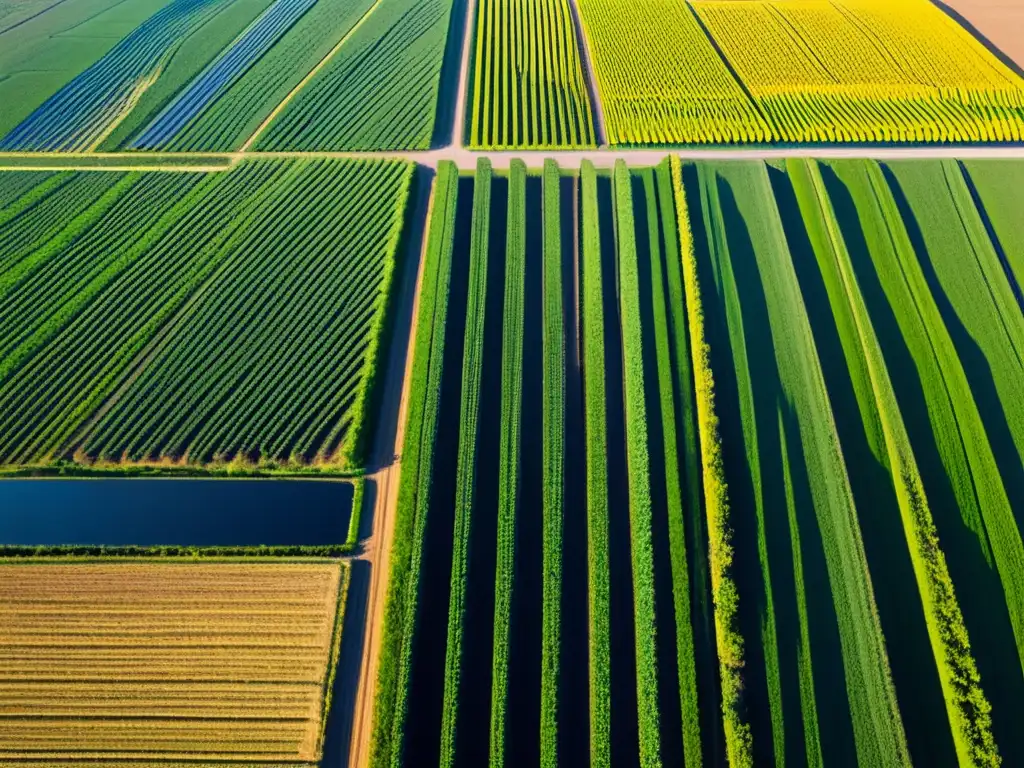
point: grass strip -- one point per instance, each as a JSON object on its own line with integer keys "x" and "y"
{"x": 968, "y": 709}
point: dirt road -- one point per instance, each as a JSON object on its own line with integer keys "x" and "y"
{"x": 589, "y": 75}
{"x": 386, "y": 460}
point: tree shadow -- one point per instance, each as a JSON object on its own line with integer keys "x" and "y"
{"x": 338, "y": 736}
{"x": 899, "y": 601}
{"x": 1004, "y": 682}
{"x": 430, "y": 639}
{"x": 574, "y": 679}
{"x": 448, "y": 83}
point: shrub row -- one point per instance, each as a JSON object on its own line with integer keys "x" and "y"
{"x": 739, "y": 747}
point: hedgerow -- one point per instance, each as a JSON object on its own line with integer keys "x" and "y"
{"x": 739, "y": 746}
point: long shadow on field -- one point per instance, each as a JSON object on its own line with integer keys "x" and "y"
{"x": 705, "y": 641}
{"x": 997, "y": 245}
{"x": 753, "y": 467}
{"x": 473, "y": 731}
{"x": 833, "y": 713}
{"x": 1004, "y": 684}
{"x": 899, "y": 601}
{"x": 388, "y": 390}
{"x": 448, "y": 85}
{"x": 574, "y": 685}
{"x": 742, "y": 492}
{"x": 979, "y": 589}
{"x": 523, "y": 723}
{"x": 338, "y": 737}
{"x": 668, "y": 669}
{"x": 624, "y": 723}
{"x": 426, "y": 692}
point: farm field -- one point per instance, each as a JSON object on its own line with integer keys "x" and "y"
{"x": 382, "y": 91}
{"x": 528, "y": 81}
{"x": 115, "y": 286}
{"x": 670, "y": 429}
{"x": 851, "y": 71}
{"x": 153, "y": 661}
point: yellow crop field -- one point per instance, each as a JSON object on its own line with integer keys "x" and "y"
{"x": 865, "y": 71}
{"x": 166, "y": 661}
{"x": 661, "y": 80}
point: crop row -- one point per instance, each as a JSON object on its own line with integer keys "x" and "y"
{"x": 469, "y": 416}
{"x": 553, "y": 458}
{"x": 250, "y": 331}
{"x": 528, "y": 84}
{"x": 509, "y": 463}
{"x": 153, "y": 245}
{"x": 797, "y": 430}
{"x": 237, "y": 113}
{"x": 594, "y": 393}
{"x": 135, "y": 693}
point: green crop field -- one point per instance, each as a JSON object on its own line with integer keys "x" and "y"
{"x": 658, "y": 367}
{"x": 528, "y": 84}
{"x": 787, "y": 471}
{"x": 116, "y": 287}
{"x": 381, "y": 90}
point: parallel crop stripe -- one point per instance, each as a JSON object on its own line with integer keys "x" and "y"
{"x": 205, "y": 700}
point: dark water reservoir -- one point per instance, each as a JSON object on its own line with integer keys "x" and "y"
{"x": 150, "y": 512}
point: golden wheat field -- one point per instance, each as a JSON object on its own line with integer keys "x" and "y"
{"x": 137, "y": 661}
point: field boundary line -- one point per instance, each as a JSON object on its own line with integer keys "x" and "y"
{"x": 309, "y": 76}
{"x": 590, "y": 75}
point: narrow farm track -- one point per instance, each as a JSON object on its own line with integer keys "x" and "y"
{"x": 590, "y": 75}
{"x": 376, "y": 550}
{"x": 468, "y": 38}
{"x": 467, "y": 158}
